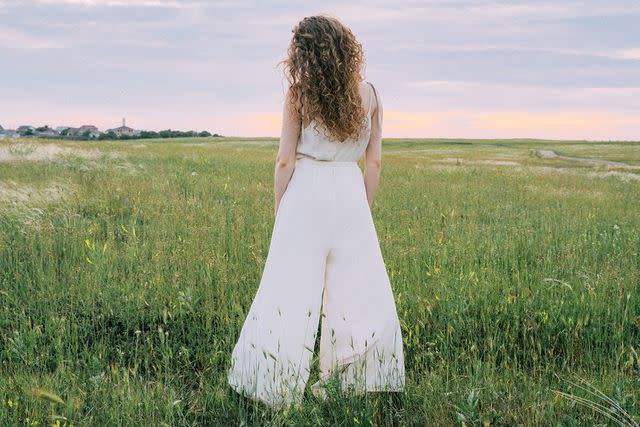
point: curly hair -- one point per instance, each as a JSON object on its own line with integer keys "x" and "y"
{"x": 324, "y": 68}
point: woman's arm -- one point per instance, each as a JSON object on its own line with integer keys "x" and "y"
{"x": 373, "y": 153}
{"x": 286, "y": 159}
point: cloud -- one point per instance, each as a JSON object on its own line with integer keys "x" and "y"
{"x": 441, "y": 94}
{"x": 589, "y": 125}
{"x": 625, "y": 53}
{"x": 632, "y": 53}
{"x": 557, "y": 125}
{"x": 201, "y": 64}
{"x": 462, "y": 123}
{"x": 116, "y": 3}
{"x": 480, "y": 11}
{"x": 11, "y": 38}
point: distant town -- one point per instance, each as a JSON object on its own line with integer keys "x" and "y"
{"x": 91, "y": 132}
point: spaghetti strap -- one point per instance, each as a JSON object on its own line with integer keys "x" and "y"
{"x": 370, "y": 99}
{"x": 375, "y": 93}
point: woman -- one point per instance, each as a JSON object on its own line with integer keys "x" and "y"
{"x": 324, "y": 262}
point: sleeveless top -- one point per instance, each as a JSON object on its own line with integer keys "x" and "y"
{"x": 316, "y": 145}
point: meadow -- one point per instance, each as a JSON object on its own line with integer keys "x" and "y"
{"x": 126, "y": 270}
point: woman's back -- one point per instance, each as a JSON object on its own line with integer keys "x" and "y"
{"x": 314, "y": 142}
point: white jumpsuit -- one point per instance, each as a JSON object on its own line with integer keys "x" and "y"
{"x": 324, "y": 264}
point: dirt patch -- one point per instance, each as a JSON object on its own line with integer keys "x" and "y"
{"x": 545, "y": 170}
{"x": 495, "y": 162}
{"x": 550, "y": 154}
{"x": 422, "y": 152}
{"x": 500, "y": 162}
{"x": 624, "y": 176}
{"x": 563, "y": 192}
{"x": 441, "y": 167}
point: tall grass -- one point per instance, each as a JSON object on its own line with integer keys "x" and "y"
{"x": 124, "y": 296}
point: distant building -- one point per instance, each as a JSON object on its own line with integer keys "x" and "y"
{"x": 48, "y": 133}
{"x": 124, "y": 130}
{"x": 1, "y": 128}
{"x": 26, "y": 130}
{"x": 9, "y": 133}
{"x": 61, "y": 129}
{"x": 89, "y": 131}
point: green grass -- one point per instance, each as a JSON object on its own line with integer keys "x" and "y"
{"x": 126, "y": 270}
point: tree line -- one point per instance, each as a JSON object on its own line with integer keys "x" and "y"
{"x": 150, "y": 134}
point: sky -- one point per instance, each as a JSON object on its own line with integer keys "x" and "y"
{"x": 456, "y": 69}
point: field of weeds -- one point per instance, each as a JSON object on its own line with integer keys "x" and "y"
{"x": 127, "y": 268}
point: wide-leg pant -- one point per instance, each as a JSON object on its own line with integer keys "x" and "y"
{"x": 324, "y": 261}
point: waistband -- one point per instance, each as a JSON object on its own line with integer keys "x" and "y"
{"x": 325, "y": 163}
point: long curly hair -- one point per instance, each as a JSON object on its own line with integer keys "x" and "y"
{"x": 324, "y": 68}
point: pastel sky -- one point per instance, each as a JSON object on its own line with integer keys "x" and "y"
{"x": 466, "y": 69}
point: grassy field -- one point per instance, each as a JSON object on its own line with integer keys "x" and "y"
{"x": 126, "y": 270}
